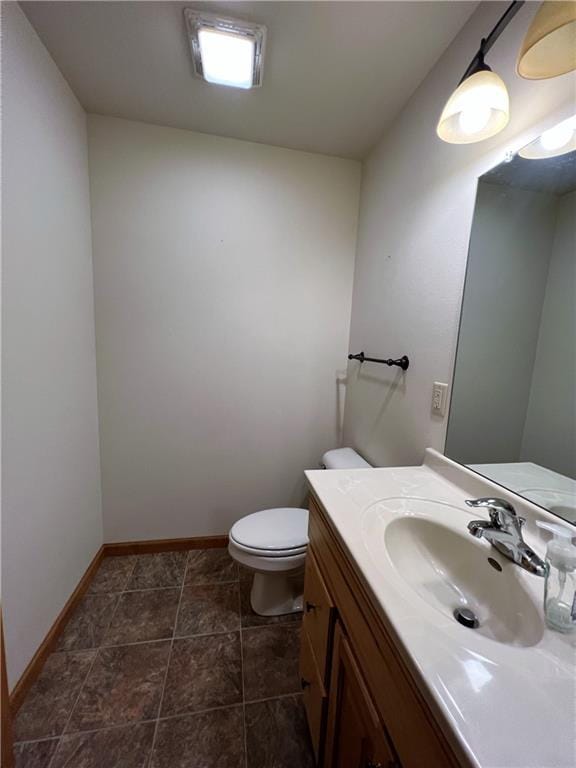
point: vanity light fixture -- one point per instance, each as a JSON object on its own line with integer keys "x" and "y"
{"x": 558, "y": 140}
{"x": 226, "y": 51}
{"x": 549, "y": 48}
{"x": 479, "y": 107}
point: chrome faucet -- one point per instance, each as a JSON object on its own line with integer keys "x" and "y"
{"x": 504, "y": 532}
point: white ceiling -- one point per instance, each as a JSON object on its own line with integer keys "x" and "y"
{"x": 335, "y": 73}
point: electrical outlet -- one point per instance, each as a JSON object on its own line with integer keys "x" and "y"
{"x": 439, "y": 391}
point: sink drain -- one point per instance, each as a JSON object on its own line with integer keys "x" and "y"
{"x": 466, "y": 617}
{"x": 495, "y": 564}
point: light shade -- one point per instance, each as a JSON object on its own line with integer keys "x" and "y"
{"x": 478, "y": 109}
{"x": 226, "y": 59}
{"x": 549, "y": 48}
{"x": 558, "y": 140}
{"x": 226, "y": 51}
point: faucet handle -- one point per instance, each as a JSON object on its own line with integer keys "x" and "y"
{"x": 501, "y": 512}
{"x": 487, "y": 501}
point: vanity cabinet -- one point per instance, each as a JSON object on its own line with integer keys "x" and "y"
{"x": 355, "y": 736}
{"x": 364, "y": 707}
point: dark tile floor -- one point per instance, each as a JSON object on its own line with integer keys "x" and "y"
{"x": 165, "y": 665}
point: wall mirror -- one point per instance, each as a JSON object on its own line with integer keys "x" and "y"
{"x": 513, "y": 405}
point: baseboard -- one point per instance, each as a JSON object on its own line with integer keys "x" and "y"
{"x": 164, "y": 545}
{"x": 48, "y": 644}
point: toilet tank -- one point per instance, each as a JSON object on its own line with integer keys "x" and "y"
{"x": 344, "y": 458}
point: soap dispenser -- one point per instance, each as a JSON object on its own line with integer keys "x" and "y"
{"x": 560, "y": 586}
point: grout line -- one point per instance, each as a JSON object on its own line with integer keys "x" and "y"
{"x": 162, "y": 694}
{"x": 129, "y": 576}
{"x": 240, "y": 628}
{"x": 150, "y": 589}
{"x": 273, "y": 698}
{"x": 199, "y": 712}
{"x": 161, "y": 719}
{"x": 153, "y": 720}
{"x": 242, "y": 677}
{"x": 36, "y": 741}
{"x": 212, "y": 583}
{"x": 76, "y": 700}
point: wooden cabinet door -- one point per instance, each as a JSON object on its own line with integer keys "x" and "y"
{"x": 314, "y": 694}
{"x": 355, "y": 736}
{"x": 319, "y": 614}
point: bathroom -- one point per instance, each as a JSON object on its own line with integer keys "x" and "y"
{"x": 264, "y": 334}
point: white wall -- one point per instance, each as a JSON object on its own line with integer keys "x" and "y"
{"x": 417, "y": 202}
{"x": 510, "y": 245}
{"x": 223, "y": 281}
{"x": 549, "y": 436}
{"x": 51, "y": 511}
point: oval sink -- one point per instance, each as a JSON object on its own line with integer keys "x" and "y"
{"x": 429, "y": 547}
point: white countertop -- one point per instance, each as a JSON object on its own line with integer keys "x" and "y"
{"x": 506, "y": 705}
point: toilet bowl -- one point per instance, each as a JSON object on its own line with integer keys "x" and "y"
{"x": 272, "y": 543}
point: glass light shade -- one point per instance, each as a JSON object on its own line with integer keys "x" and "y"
{"x": 226, "y": 59}
{"x": 226, "y": 51}
{"x": 549, "y": 48}
{"x": 558, "y": 140}
{"x": 478, "y": 109}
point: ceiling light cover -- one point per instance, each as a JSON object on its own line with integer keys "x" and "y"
{"x": 549, "y": 48}
{"x": 478, "y": 109}
{"x": 226, "y": 51}
{"x": 558, "y": 140}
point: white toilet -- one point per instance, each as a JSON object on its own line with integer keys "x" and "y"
{"x": 273, "y": 542}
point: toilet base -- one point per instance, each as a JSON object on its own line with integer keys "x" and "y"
{"x": 277, "y": 594}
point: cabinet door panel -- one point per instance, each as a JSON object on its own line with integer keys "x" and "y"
{"x": 355, "y": 736}
{"x": 314, "y": 694}
{"x": 318, "y": 614}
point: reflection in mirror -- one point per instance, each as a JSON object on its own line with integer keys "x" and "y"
{"x": 513, "y": 407}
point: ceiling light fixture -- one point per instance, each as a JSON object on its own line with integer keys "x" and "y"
{"x": 549, "y": 48}
{"x": 479, "y": 107}
{"x": 558, "y": 140}
{"x": 226, "y": 51}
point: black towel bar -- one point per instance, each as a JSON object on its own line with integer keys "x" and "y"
{"x": 402, "y": 362}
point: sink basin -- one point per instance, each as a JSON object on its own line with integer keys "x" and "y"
{"x": 429, "y": 547}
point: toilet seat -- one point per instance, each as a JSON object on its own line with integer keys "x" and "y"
{"x": 281, "y": 532}
{"x": 259, "y": 552}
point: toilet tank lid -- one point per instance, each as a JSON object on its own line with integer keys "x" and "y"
{"x": 273, "y": 529}
{"x": 344, "y": 458}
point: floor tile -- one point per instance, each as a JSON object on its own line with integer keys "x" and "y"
{"x": 112, "y": 575}
{"x": 251, "y": 619}
{"x": 163, "y": 569}
{"x": 245, "y": 574}
{"x": 277, "y": 734}
{"x": 35, "y": 754}
{"x": 210, "y": 566}
{"x": 208, "y": 609}
{"x": 146, "y": 615}
{"x": 209, "y": 740}
{"x": 204, "y": 672}
{"x": 89, "y": 622}
{"x": 125, "y": 747}
{"x": 124, "y": 685}
{"x": 270, "y": 657}
{"x": 49, "y": 702}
